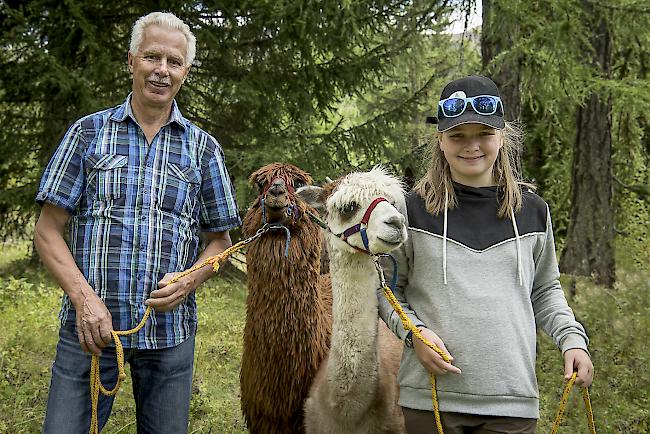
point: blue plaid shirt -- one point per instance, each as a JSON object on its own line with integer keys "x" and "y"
{"x": 136, "y": 212}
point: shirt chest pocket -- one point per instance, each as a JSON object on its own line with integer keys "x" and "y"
{"x": 105, "y": 176}
{"x": 180, "y": 190}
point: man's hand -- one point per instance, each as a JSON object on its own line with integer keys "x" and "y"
{"x": 94, "y": 323}
{"x": 169, "y": 296}
{"x": 578, "y": 360}
{"x": 429, "y": 358}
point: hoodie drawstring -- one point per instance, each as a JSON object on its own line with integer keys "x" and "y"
{"x": 518, "y": 239}
{"x": 444, "y": 240}
{"x": 444, "y": 243}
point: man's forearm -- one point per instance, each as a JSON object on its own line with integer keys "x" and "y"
{"x": 58, "y": 260}
{"x": 215, "y": 246}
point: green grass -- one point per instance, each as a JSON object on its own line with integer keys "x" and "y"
{"x": 29, "y": 304}
{"x": 618, "y": 323}
{"x": 617, "y": 320}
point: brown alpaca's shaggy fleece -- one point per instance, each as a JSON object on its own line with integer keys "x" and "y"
{"x": 288, "y": 316}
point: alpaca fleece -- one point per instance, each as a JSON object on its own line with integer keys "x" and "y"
{"x": 356, "y": 389}
{"x": 288, "y": 315}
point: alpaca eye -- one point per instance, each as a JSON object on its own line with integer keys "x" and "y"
{"x": 260, "y": 185}
{"x": 349, "y": 209}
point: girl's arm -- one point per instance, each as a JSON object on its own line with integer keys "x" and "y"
{"x": 553, "y": 314}
{"x": 403, "y": 256}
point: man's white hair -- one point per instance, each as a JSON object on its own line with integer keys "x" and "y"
{"x": 166, "y": 19}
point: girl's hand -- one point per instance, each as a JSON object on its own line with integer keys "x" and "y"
{"x": 431, "y": 360}
{"x": 578, "y": 360}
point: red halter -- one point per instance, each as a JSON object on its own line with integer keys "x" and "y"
{"x": 361, "y": 227}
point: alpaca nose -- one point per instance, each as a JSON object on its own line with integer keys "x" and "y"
{"x": 396, "y": 221}
{"x": 277, "y": 188}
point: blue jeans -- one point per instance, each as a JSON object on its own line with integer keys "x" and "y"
{"x": 162, "y": 385}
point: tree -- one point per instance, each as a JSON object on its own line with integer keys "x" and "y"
{"x": 500, "y": 30}
{"x": 545, "y": 46}
{"x": 589, "y": 248}
{"x": 497, "y": 33}
{"x": 60, "y": 63}
{"x": 268, "y": 81}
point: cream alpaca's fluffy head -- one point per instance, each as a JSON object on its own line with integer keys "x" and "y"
{"x": 344, "y": 202}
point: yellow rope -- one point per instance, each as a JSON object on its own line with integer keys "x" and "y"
{"x": 563, "y": 402}
{"x": 96, "y": 385}
{"x": 408, "y": 325}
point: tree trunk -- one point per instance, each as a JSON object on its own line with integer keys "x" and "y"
{"x": 589, "y": 249}
{"x": 497, "y": 34}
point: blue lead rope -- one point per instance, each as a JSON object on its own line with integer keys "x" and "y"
{"x": 288, "y": 233}
{"x": 393, "y": 280}
{"x": 272, "y": 226}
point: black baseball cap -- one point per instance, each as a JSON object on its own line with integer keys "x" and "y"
{"x": 467, "y": 87}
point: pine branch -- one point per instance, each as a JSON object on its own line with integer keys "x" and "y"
{"x": 640, "y": 189}
{"x": 629, "y": 9}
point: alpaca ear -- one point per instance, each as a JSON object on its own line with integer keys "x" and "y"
{"x": 314, "y": 196}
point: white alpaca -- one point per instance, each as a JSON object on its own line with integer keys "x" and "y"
{"x": 355, "y": 389}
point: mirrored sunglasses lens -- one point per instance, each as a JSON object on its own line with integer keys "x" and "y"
{"x": 485, "y": 105}
{"x": 453, "y": 107}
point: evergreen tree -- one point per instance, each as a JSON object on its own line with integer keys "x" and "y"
{"x": 268, "y": 81}
{"x": 589, "y": 248}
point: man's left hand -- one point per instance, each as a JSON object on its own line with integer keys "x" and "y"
{"x": 169, "y": 296}
{"x": 579, "y": 361}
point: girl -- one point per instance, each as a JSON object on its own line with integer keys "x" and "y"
{"x": 477, "y": 275}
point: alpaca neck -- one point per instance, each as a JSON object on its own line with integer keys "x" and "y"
{"x": 352, "y": 366}
{"x": 266, "y": 258}
{"x": 279, "y": 284}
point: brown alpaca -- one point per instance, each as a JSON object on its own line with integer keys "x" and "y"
{"x": 288, "y": 308}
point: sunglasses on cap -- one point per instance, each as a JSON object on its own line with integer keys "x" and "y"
{"x": 482, "y": 104}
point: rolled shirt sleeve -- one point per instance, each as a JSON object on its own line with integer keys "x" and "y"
{"x": 217, "y": 197}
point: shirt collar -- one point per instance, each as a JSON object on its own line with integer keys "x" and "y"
{"x": 124, "y": 110}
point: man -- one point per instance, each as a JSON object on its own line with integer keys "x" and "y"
{"x": 137, "y": 182}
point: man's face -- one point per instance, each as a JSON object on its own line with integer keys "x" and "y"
{"x": 158, "y": 67}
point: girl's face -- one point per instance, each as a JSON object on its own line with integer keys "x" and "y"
{"x": 471, "y": 150}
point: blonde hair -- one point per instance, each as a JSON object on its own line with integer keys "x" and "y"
{"x": 431, "y": 187}
{"x": 165, "y": 19}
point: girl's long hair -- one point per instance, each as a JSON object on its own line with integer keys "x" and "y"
{"x": 431, "y": 187}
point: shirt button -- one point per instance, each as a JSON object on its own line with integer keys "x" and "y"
{"x": 143, "y": 217}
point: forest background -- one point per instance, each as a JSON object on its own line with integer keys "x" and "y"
{"x": 339, "y": 86}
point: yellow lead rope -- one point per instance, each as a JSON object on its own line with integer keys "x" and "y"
{"x": 96, "y": 385}
{"x": 408, "y": 325}
{"x": 563, "y": 402}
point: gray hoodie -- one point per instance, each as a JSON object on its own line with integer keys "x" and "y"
{"x": 482, "y": 284}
